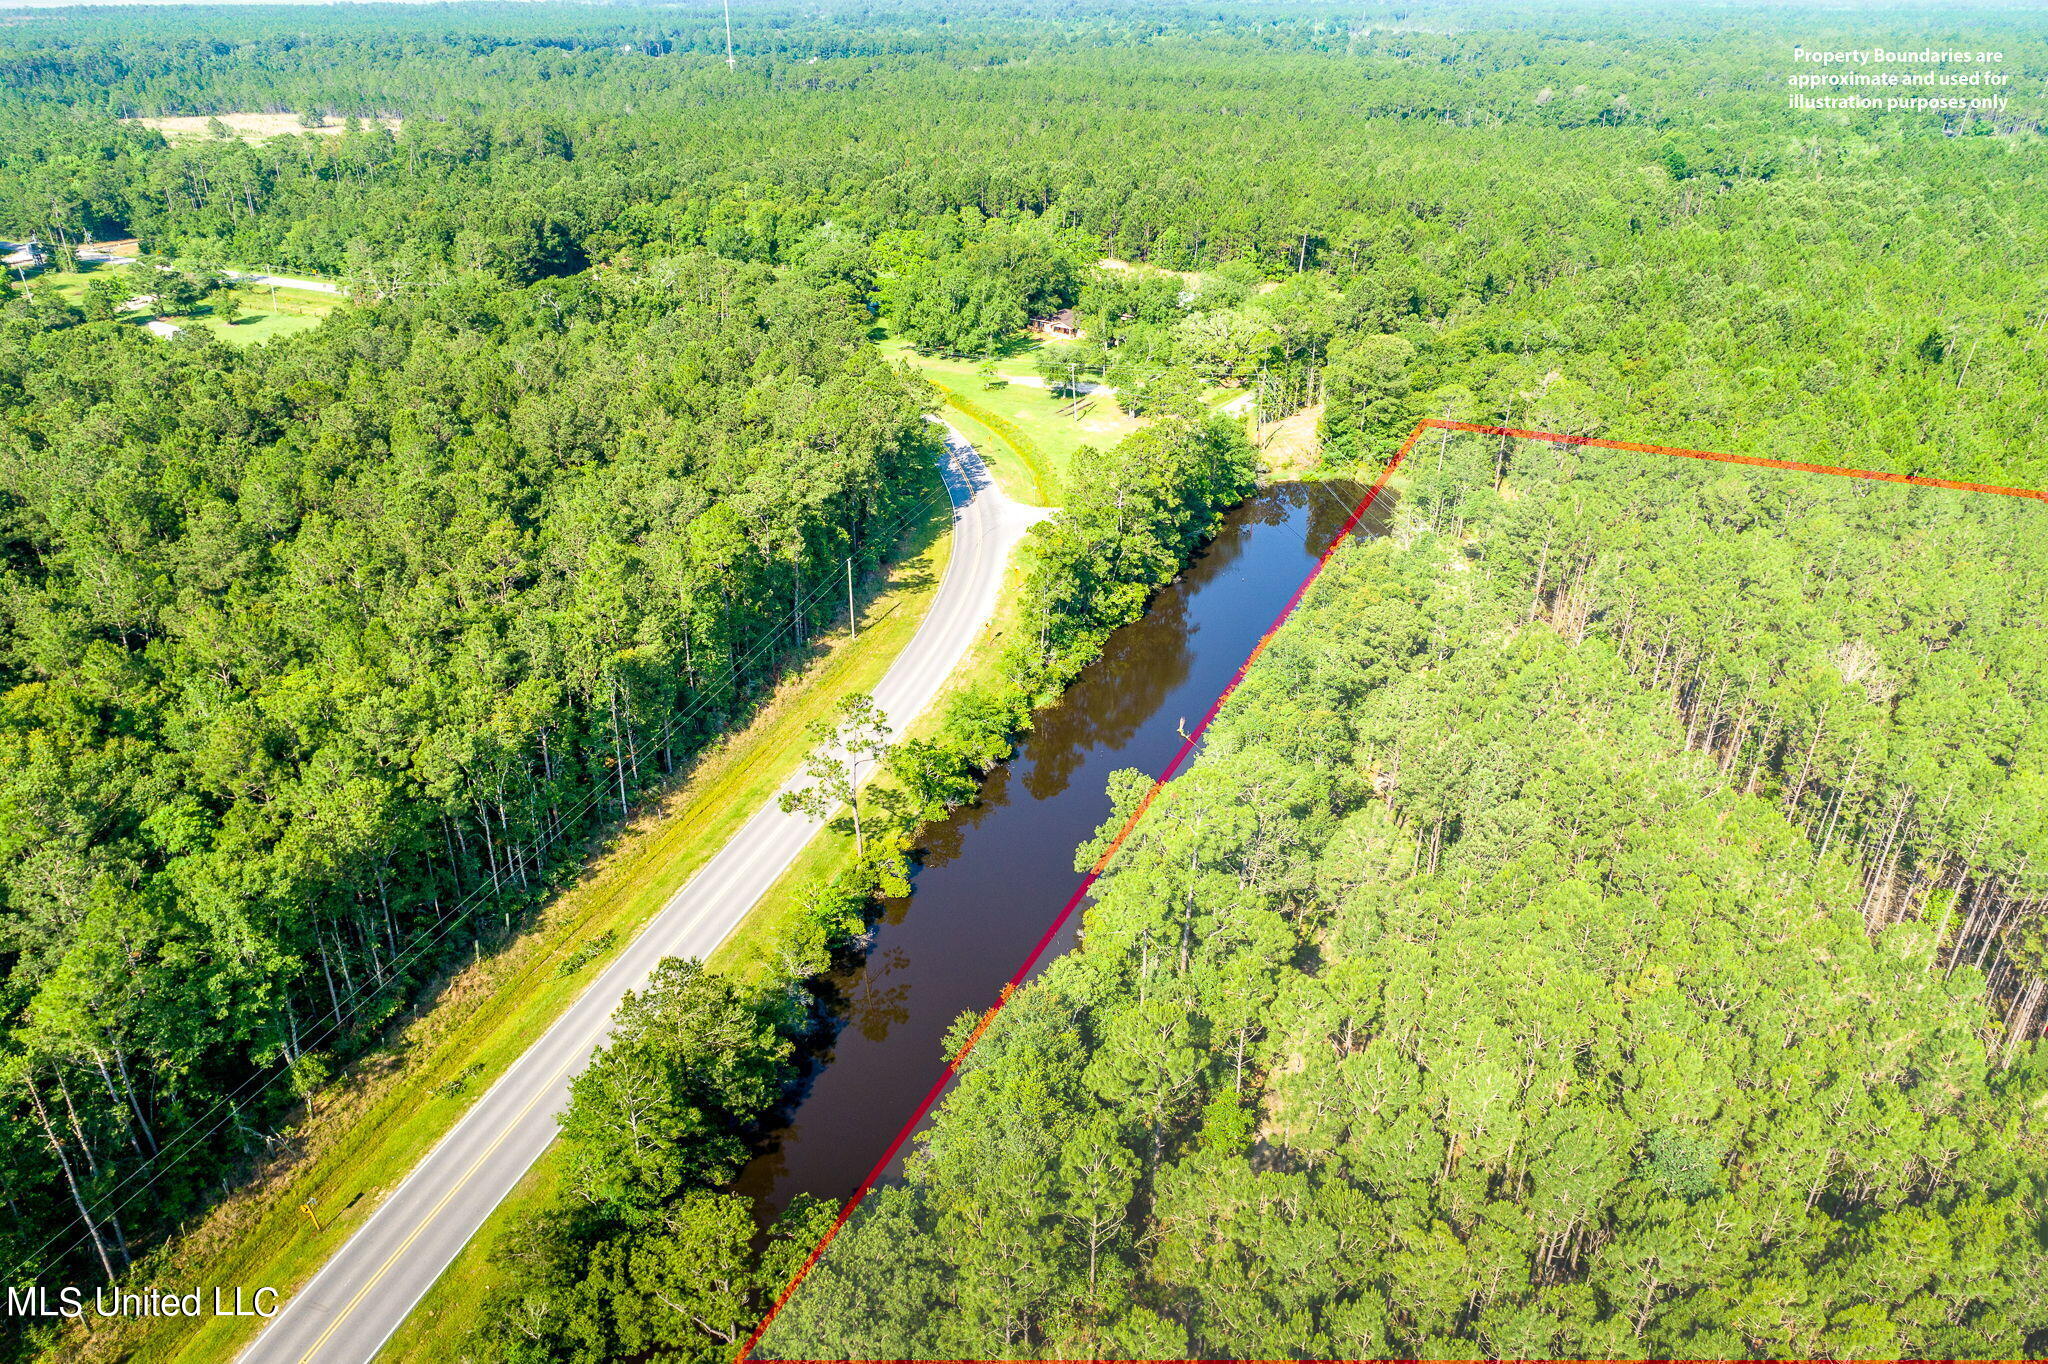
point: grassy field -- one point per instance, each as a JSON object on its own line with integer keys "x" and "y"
{"x": 256, "y": 323}
{"x": 372, "y": 1125}
{"x": 1028, "y": 435}
{"x": 438, "y": 1330}
{"x": 266, "y": 312}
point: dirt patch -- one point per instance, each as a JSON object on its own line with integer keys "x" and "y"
{"x": 1192, "y": 278}
{"x": 254, "y": 127}
{"x": 1292, "y": 444}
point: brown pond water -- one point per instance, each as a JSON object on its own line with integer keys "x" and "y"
{"x": 990, "y": 878}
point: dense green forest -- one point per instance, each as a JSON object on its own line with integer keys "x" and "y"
{"x": 319, "y": 660}
{"x": 313, "y": 650}
{"x": 1573, "y": 941}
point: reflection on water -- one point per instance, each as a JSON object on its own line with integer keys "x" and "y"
{"x": 991, "y": 876}
{"x": 1139, "y": 668}
{"x": 877, "y": 997}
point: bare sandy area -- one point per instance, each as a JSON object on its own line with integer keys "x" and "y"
{"x": 1191, "y": 278}
{"x": 1291, "y": 445}
{"x": 252, "y": 127}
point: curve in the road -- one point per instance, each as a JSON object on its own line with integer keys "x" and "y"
{"x": 350, "y": 1307}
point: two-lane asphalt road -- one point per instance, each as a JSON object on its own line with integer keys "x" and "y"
{"x": 353, "y": 1304}
{"x": 316, "y": 286}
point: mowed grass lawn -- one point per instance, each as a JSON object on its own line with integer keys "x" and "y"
{"x": 1031, "y": 443}
{"x": 373, "y": 1125}
{"x": 266, "y": 313}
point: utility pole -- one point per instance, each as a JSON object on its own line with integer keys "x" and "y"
{"x": 852, "y": 620}
{"x": 731, "y": 63}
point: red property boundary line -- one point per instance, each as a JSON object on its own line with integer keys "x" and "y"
{"x": 1194, "y": 737}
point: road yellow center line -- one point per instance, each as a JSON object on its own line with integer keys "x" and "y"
{"x": 427, "y": 1221}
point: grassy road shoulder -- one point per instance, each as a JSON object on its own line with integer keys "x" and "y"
{"x": 369, "y": 1127}
{"x": 439, "y": 1331}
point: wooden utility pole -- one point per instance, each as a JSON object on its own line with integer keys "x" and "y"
{"x": 852, "y": 618}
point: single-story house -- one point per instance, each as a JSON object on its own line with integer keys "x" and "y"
{"x": 1061, "y": 323}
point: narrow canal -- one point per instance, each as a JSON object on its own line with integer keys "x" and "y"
{"x": 992, "y": 876}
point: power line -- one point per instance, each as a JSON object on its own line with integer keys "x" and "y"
{"x": 475, "y": 900}
{"x": 189, "y": 1136}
